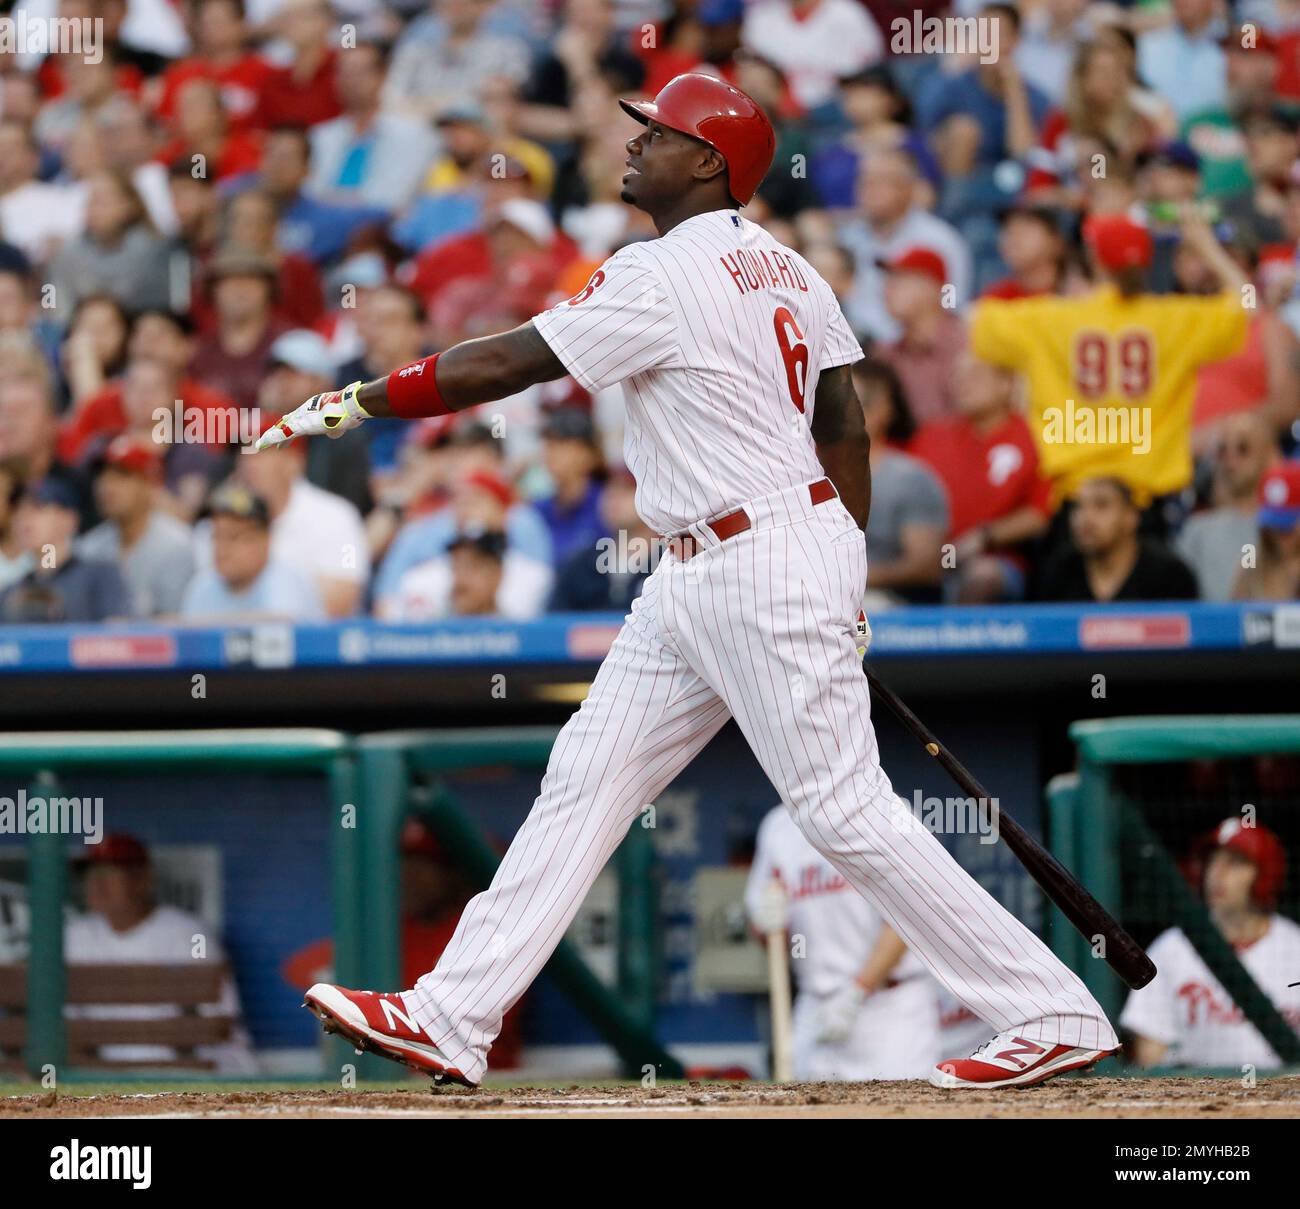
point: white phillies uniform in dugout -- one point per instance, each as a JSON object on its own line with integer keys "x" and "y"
{"x": 718, "y": 335}
{"x": 896, "y": 1035}
{"x": 1186, "y": 1008}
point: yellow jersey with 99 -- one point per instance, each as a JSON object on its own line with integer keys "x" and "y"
{"x": 1111, "y": 380}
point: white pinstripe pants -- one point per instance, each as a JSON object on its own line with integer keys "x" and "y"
{"x": 759, "y": 628}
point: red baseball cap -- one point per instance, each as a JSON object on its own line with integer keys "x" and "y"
{"x": 1117, "y": 241}
{"x": 133, "y": 456}
{"x": 116, "y": 848}
{"x": 1279, "y": 497}
{"x": 925, "y": 261}
{"x": 493, "y": 484}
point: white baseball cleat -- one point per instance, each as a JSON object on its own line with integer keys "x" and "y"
{"x": 379, "y": 1022}
{"x": 1010, "y": 1061}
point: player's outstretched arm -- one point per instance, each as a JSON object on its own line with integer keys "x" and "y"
{"x": 475, "y": 371}
{"x": 842, "y": 441}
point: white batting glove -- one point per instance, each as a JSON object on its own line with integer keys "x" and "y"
{"x": 771, "y": 912}
{"x": 331, "y": 413}
{"x": 840, "y": 1013}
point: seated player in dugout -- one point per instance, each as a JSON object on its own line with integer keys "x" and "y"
{"x": 1184, "y": 1017}
{"x": 748, "y": 446}
{"x": 125, "y": 924}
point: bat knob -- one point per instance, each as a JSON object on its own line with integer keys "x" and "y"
{"x": 932, "y": 748}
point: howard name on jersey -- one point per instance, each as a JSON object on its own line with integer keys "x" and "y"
{"x": 718, "y": 334}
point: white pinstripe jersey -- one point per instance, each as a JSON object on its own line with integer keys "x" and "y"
{"x": 718, "y": 334}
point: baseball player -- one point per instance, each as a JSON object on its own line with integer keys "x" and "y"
{"x": 747, "y": 444}
{"x": 866, "y": 1008}
{"x": 1184, "y": 1015}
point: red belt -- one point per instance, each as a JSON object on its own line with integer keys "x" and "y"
{"x": 686, "y": 545}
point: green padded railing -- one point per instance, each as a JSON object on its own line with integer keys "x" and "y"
{"x": 391, "y": 766}
{"x": 1091, "y": 821}
{"x": 41, "y": 757}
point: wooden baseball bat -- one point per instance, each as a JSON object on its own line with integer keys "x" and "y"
{"x": 1123, "y": 954}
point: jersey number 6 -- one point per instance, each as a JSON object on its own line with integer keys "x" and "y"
{"x": 793, "y": 353}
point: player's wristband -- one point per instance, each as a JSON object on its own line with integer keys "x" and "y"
{"x": 413, "y": 390}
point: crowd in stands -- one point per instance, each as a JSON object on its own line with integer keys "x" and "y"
{"x": 240, "y": 203}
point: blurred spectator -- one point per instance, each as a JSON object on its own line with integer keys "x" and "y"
{"x": 576, "y": 468}
{"x": 1183, "y": 61}
{"x": 119, "y": 254}
{"x": 300, "y": 365}
{"x": 235, "y": 355}
{"x": 1275, "y": 574}
{"x": 1102, "y": 113}
{"x": 879, "y": 114}
{"x": 251, "y": 226}
{"x": 1098, "y": 413}
{"x": 366, "y": 155}
{"x": 319, "y": 230}
{"x": 931, "y": 337}
{"x": 415, "y": 579}
{"x": 786, "y": 190}
{"x": 988, "y": 113}
{"x": 59, "y": 585}
{"x": 1271, "y": 150}
{"x": 813, "y": 42}
{"x": 313, "y": 531}
{"x": 1215, "y": 542}
{"x": 909, "y": 512}
{"x": 891, "y": 221}
{"x": 1033, "y": 249}
{"x": 244, "y": 582}
{"x": 1108, "y": 561}
{"x": 609, "y": 575}
{"x": 28, "y": 426}
{"x": 478, "y": 576}
{"x": 19, "y": 313}
{"x": 390, "y": 321}
{"x": 34, "y": 216}
{"x": 1263, "y": 376}
{"x": 89, "y": 84}
{"x": 428, "y": 75}
{"x": 124, "y": 924}
{"x": 522, "y": 257}
{"x": 218, "y": 33}
{"x": 586, "y": 48}
{"x": 94, "y": 350}
{"x": 14, "y": 560}
{"x": 986, "y": 459}
{"x": 303, "y": 91}
{"x": 153, "y": 549}
{"x": 1051, "y": 36}
{"x": 155, "y": 335}
{"x": 128, "y": 141}
{"x": 204, "y": 137}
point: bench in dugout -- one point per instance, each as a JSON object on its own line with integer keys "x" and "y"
{"x": 181, "y": 1003}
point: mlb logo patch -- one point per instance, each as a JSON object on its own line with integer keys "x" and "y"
{"x": 735, "y": 220}
{"x": 860, "y": 626}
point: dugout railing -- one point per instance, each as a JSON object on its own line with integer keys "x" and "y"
{"x": 1105, "y": 823}
{"x": 374, "y": 783}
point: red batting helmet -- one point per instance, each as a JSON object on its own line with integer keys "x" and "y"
{"x": 1263, "y": 849}
{"x": 719, "y": 114}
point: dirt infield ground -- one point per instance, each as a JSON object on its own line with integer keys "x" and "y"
{"x": 1079, "y": 1097}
